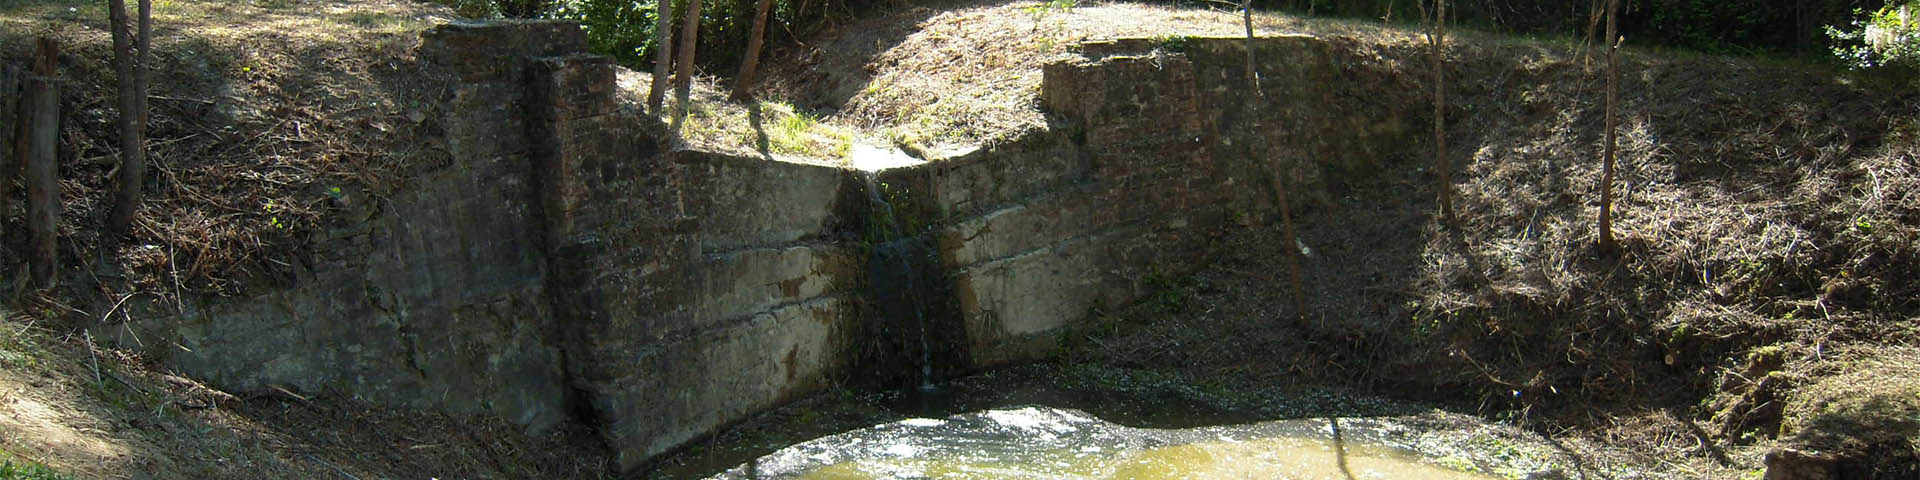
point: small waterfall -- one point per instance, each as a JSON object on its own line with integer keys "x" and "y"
{"x": 895, "y": 284}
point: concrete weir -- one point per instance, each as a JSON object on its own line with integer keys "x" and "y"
{"x": 568, "y": 264}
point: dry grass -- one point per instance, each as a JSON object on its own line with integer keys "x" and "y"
{"x": 1870, "y": 381}
{"x": 273, "y": 123}
{"x": 1864, "y": 403}
{"x": 268, "y": 116}
{"x": 768, "y": 128}
{"x": 98, "y": 413}
{"x": 970, "y": 76}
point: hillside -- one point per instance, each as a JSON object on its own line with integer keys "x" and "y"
{"x": 1762, "y": 301}
{"x": 260, "y": 109}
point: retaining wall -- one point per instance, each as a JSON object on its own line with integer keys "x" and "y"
{"x": 567, "y": 263}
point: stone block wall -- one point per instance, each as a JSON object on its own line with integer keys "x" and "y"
{"x": 567, "y": 262}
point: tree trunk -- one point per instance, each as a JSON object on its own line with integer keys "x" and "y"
{"x": 523, "y": 8}
{"x": 1439, "y": 42}
{"x": 743, "y": 88}
{"x": 1613, "y": 89}
{"x": 683, "y": 68}
{"x": 132, "y": 63}
{"x": 43, "y": 182}
{"x": 1593, "y": 22}
{"x": 662, "y": 55}
{"x": 1279, "y": 187}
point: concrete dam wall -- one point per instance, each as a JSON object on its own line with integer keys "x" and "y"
{"x": 566, "y": 262}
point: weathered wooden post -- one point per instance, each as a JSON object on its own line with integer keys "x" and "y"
{"x": 43, "y": 178}
{"x": 12, "y": 134}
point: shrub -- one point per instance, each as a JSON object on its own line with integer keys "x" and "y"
{"x": 1890, "y": 37}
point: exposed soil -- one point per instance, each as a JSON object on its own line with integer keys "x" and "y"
{"x": 97, "y": 413}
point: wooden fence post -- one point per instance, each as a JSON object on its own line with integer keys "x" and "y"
{"x": 12, "y": 135}
{"x": 43, "y": 176}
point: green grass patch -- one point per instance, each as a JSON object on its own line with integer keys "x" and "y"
{"x": 15, "y": 468}
{"x": 767, "y": 127}
{"x": 22, "y": 348}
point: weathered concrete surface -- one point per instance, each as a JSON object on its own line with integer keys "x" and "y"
{"x": 695, "y": 288}
{"x": 563, "y": 262}
{"x": 561, "y": 255}
{"x": 1167, "y": 146}
{"x": 1330, "y": 115}
{"x": 700, "y": 290}
{"x": 437, "y": 298}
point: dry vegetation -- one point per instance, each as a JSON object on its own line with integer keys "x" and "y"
{"x": 98, "y": 413}
{"x": 267, "y": 116}
{"x": 946, "y": 79}
{"x": 272, "y": 120}
{"x": 767, "y": 128}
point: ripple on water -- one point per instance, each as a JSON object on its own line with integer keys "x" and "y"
{"x": 1047, "y": 443}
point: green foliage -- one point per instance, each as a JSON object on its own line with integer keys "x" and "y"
{"x": 1173, "y": 43}
{"x": 28, "y": 471}
{"x": 22, "y": 348}
{"x": 1889, "y": 37}
{"x": 1042, "y": 9}
{"x": 616, "y": 28}
{"x": 1168, "y": 294}
{"x": 1719, "y": 26}
{"x": 12, "y": 468}
{"x": 623, "y": 29}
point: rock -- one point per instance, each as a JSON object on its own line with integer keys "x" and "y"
{"x": 1794, "y": 464}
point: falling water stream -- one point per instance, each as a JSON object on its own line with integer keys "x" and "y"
{"x": 896, "y": 283}
{"x": 1035, "y": 442}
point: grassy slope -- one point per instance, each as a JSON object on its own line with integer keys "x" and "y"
{"x": 268, "y": 116}
{"x": 259, "y": 110}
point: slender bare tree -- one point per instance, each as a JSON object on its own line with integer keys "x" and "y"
{"x": 743, "y": 87}
{"x": 683, "y": 68}
{"x": 1613, "y": 88}
{"x": 132, "y": 58}
{"x": 1260, "y": 148}
{"x": 1437, "y": 40}
{"x": 1586, "y": 43}
{"x": 662, "y": 54}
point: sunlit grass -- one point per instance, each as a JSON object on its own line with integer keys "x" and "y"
{"x": 341, "y": 20}
{"x": 780, "y": 130}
